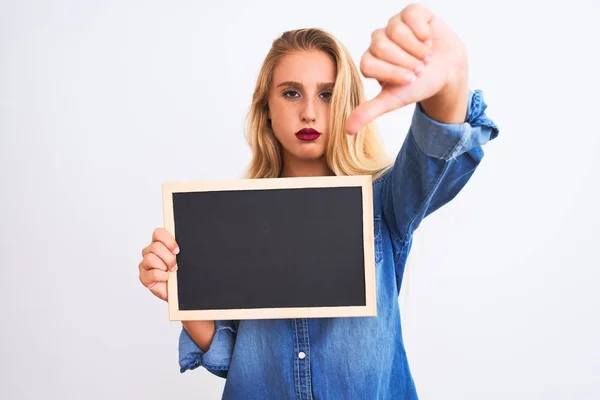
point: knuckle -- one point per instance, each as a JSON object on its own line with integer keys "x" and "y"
{"x": 156, "y": 234}
{"x": 409, "y": 18}
{"x": 146, "y": 259}
{"x": 154, "y": 261}
{"x": 377, "y": 35}
{"x": 158, "y": 276}
{"x": 366, "y": 64}
{"x": 396, "y": 31}
{"x": 391, "y": 26}
{"x": 395, "y": 19}
{"x": 412, "y": 8}
{"x": 152, "y": 275}
{"x": 155, "y": 247}
{"x": 149, "y": 261}
{"x": 378, "y": 48}
{"x": 143, "y": 280}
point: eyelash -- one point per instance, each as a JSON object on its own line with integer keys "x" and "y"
{"x": 287, "y": 92}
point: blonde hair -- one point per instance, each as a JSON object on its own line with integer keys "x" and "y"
{"x": 358, "y": 154}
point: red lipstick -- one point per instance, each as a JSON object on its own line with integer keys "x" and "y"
{"x": 308, "y": 134}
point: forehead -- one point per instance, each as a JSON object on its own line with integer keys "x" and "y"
{"x": 306, "y": 67}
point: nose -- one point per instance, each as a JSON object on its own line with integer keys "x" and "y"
{"x": 309, "y": 111}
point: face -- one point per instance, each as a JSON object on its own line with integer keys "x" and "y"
{"x": 299, "y": 100}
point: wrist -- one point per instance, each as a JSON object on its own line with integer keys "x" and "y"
{"x": 449, "y": 105}
{"x": 201, "y": 332}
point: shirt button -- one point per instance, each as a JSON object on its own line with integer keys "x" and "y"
{"x": 301, "y": 355}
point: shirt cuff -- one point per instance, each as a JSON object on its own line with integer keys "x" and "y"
{"x": 448, "y": 141}
{"x": 218, "y": 356}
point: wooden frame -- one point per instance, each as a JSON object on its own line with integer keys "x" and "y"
{"x": 363, "y": 181}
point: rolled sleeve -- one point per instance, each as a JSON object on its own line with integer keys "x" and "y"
{"x": 216, "y": 360}
{"x": 435, "y": 162}
{"x": 448, "y": 141}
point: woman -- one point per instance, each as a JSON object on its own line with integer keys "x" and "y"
{"x": 309, "y": 118}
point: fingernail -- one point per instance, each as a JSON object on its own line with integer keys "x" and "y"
{"x": 174, "y": 267}
{"x": 419, "y": 69}
{"x": 429, "y": 43}
{"x": 427, "y": 59}
{"x": 176, "y": 251}
{"x": 409, "y": 78}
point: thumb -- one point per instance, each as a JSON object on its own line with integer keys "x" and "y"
{"x": 368, "y": 111}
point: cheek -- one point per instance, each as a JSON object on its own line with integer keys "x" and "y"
{"x": 324, "y": 117}
{"x": 276, "y": 124}
{"x": 280, "y": 118}
{"x": 325, "y": 113}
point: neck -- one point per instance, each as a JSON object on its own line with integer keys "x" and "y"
{"x": 301, "y": 168}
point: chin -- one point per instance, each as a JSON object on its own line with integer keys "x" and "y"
{"x": 309, "y": 153}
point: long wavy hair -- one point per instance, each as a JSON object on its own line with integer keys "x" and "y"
{"x": 358, "y": 154}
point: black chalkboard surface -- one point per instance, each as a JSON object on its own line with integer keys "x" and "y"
{"x": 271, "y": 248}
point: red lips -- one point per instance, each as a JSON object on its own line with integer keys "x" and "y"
{"x": 308, "y": 134}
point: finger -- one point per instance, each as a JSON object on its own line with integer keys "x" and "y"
{"x": 159, "y": 289}
{"x": 384, "y": 72}
{"x": 163, "y": 236}
{"x": 152, "y": 261}
{"x": 153, "y": 276}
{"x": 367, "y": 112}
{"x": 159, "y": 249}
{"x": 400, "y": 34}
{"x": 384, "y": 49}
{"x": 418, "y": 19}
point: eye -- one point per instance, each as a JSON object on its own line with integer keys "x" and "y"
{"x": 291, "y": 94}
{"x": 326, "y": 95}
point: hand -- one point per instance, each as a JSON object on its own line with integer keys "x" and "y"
{"x": 415, "y": 58}
{"x": 158, "y": 257}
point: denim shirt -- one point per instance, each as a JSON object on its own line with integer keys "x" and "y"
{"x": 354, "y": 357}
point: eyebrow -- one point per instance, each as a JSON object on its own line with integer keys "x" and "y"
{"x": 320, "y": 86}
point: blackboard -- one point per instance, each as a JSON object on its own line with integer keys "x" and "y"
{"x": 271, "y": 248}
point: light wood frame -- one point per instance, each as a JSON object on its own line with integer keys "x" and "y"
{"x": 363, "y": 181}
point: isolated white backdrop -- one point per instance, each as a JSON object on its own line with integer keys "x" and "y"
{"x": 103, "y": 101}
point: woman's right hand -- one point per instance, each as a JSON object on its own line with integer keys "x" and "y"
{"x": 157, "y": 259}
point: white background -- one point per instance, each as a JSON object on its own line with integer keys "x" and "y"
{"x": 103, "y": 101}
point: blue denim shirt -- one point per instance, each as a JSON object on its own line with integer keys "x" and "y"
{"x": 354, "y": 357}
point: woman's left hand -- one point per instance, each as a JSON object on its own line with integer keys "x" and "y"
{"x": 415, "y": 58}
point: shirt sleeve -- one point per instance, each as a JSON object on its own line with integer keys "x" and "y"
{"x": 216, "y": 359}
{"x": 435, "y": 162}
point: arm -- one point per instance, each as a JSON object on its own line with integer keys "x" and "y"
{"x": 435, "y": 162}
{"x": 201, "y": 332}
{"x": 208, "y": 344}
